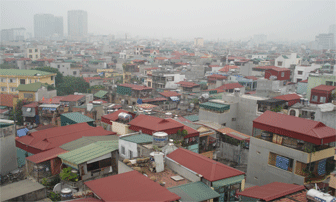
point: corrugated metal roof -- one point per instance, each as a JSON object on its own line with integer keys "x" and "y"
{"x": 23, "y": 72}
{"x": 47, "y": 155}
{"x": 90, "y": 151}
{"x": 138, "y": 139}
{"x": 77, "y": 117}
{"x": 195, "y": 191}
{"x": 215, "y": 106}
{"x": 33, "y": 87}
{"x": 192, "y": 118}
{"x": 84, "y": 141}
{"x": 100, "y": 93}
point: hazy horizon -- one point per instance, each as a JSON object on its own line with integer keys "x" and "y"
{"x": 212, "y": 20}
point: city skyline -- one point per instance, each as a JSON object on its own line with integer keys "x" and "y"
{"x": 296, "y": 20}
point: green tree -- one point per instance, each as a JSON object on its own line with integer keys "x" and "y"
{"x": 204, "y": 86}
{"x": 8, "y": 66}
{"x": 16, "y": 113}
{"x": 66, "y": 174}
{"x": 72, "y": 84}
{"x": 59, "y": 76}
{"x": 95, "y": 87}
{"x": 54, "y": 196}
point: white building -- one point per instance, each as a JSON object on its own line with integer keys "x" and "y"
{"x": 129, "y": 144}
{"x": 77, "y": 23}
{"x": 287, "y": 61}
{"x": 302, "y": 72}
{"x": 259, "y": 56}
{"x": 65, "y": 68}
{"x": 199, "y": 42}
{"x": 33, "y": 53}
{"x": 8, "y": 155}
{"x": 325, "y": 41}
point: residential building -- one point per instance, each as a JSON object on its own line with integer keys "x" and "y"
{"x": 195, "y": 191}
{"x": 33, "y": 54}
{"x": 130, "y": 145}
{"x": 302, "y": 87}
{"x": 249, "y": 82}
{"x": 35, "y": 92}
{"x": 318, "y": 79}
{"x": 24, "y": 190}
{"x": 281, "y": 74}
{"x": 120, "y": 127}
{"x": 322, "y": 94}
{"x": 215, "y": 80}
{"x": 8, "y": 149}
{"x": 302, "y": 72}
{"x": 287, "y": 61}
{"x": 325, "y": 41}
{"x": 286, "y": 148}
{"x": 223, "y": 179}
{"x": 43, "y": 140}
{"x": 30, "y": 114}
{"x": 58, "y": 24}
{"x": 77, "y": 23}
{"x": 43, "y": 25}
{"x": 130, "y": 93}
{"x": 290, "y": 99}
{"x": 10, "y": 79}
{"x": 189, "y": 87}
{"x": 229, "y": 87}
{"x": 199, "y": 42}
{"x": 72, "y": 101}
{"x": 164, "y": 80}
{"x": 66, "y": 68}
{"x": 276, "y": 191}
{"x": 14, "y": 34}
{"x": 130, "y": 186}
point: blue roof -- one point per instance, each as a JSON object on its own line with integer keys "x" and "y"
{"x": 22, "y": 132}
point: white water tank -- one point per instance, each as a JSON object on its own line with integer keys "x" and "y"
{"x": 124, "y": 116}
{"x": 66, "y": 194}
{"x": 318, "y": 196}
{"x": 168, "y": 115}
{"x": 160, "y": 139}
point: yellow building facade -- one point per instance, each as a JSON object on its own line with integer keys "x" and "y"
{"x": 10, "y": 79}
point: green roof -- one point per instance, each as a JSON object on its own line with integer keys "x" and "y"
{"x": 192, "y": 118}
{"x": 23, "y": 72}
{"x": 284, "y": 56}
{"x": 89, "y": 152}
{"x": 31, "y": 87}
{"x": 138, "y": 139}
{"x": 77, "y": 117}
{"x": 215, "y": 106}
{"x": 3, "y": 125}
{"x": 72, "y": 61}
{"x": 195, "y": 191}
{"x": 84, "y": 141}
{"x": 100, "y": 93}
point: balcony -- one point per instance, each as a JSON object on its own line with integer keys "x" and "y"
{"x": 298, "y": 152}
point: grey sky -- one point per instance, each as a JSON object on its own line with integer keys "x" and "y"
{"x": 293, "y": 20}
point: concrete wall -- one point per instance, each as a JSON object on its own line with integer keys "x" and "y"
{"x": 181, "y": 170}
{"x": 233, "y": 153}
{"x": 246, "y": 70}
{"x": 43, "y": 92}
{"x": 123, "y": 168}
{"x": 129, "y": 146}
{"x": 120, "y": 128}
{"x": 246, "y": 113}
{"x": 220, "y": 118}
{"x": 259, "y": 172}
{"x": 8, "y": 160}
{"x": 328, "y": 118}
{"x": 301, "y": 88}
{"x": 316, "y": 80}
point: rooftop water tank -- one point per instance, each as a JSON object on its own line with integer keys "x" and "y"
{"x": 124, "y": 116}
{"x": 66, "y": 194}
{"x": 160, "y": 139}
{"x": 315, "y": 195}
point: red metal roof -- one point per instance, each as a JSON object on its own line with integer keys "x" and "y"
{"x": 46, "y": 155}
{"x": 187, "y": 84}
{"x": 54, "y": 137}
{"x": 135, "y": 87}
{"x": 27, "y": 59}
{"x": 271, "y": 67}
{"x": 72, "y": 98}
{"x": 32, "y": 105}
{"x": 7, "y": 99}
{"x": 227, "y": 68}
{"x": 288, "y": 97}
{"x": 251, "y": 77}
{"x": 54, "y": 100}
{"x": 271, "y": 191}
{"x": 191, "y": 132}
{"x": 130, "y": 186}
{"x": 86, "y": 200}
{"x": 9, "y": 59}
{"x": 304, "y": 81}
{"x": 114, "y": 116}
{"x": 169, "y": 94}
{"x": 152, "y": 68}
{"x": 150, "y": 124}
{"x": 229, "y": 86}
{"x": 211, "y": 170}
{"x": 217, "y": 77}
{"x": 88, "y": 79}
{"x": 299, "y": 128}
{"x": 154, "y": 99}
{"x": 324, "y": 88}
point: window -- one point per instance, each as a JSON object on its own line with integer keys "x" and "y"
{"x": 314, "y": 98}
{"x": 281, "y": 162}
{"x": 105, "y": 163}
{"x": 74, "y": 73}
{"x": 36, "y": 56}
{"x": 11, "y": 80}
{"x": 36, "y": 50}
{"x": 28, "y": 95}
{"x": 22, "y": 81}
{"x": 3, "y": 80}
{"x": 30, "y": 50}
{"x": 282, "y": 74}
{"x": 52, "y": 78}
{"x": 329, "y": 83}
{"x": 30, "y": 56}
{"x": 279, "y": 63}
{"x": 123, "y": 150}
{"x": 130, "y": 154}
{"x": 58, "y": 66}
{"x": 304, "y": 113}
{"x": 224, "y": 124}
{"x": 30, "y": 81}
{"x": 3, "y": 89}
{"x": 300, "y": 72}
{"x": 93, "y": 166}
{"x": 13, "y": 89}
{"x": 233, "y": 119}
{"x": 323, "y": 99}
{"x": 298, "y": 80}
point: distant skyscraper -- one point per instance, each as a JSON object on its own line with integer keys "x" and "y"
{"x": 199, "y": 42}
{"x": 44, "y": 25}
{"x": 325, "y": 41}
{"x": 59, "y": 26}
{"x": 77, "y": 23}
{"x": 260, "y": 38}
{"x": 332, "y": 30}
{"x": 14, "y": 34}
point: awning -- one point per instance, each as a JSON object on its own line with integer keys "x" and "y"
{"x": 175, "y": 98}
{"x": 49, "y": 108}
{"x": 228, "y": 181}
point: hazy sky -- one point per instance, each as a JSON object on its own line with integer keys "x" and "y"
{"x": 210, "y": 19}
